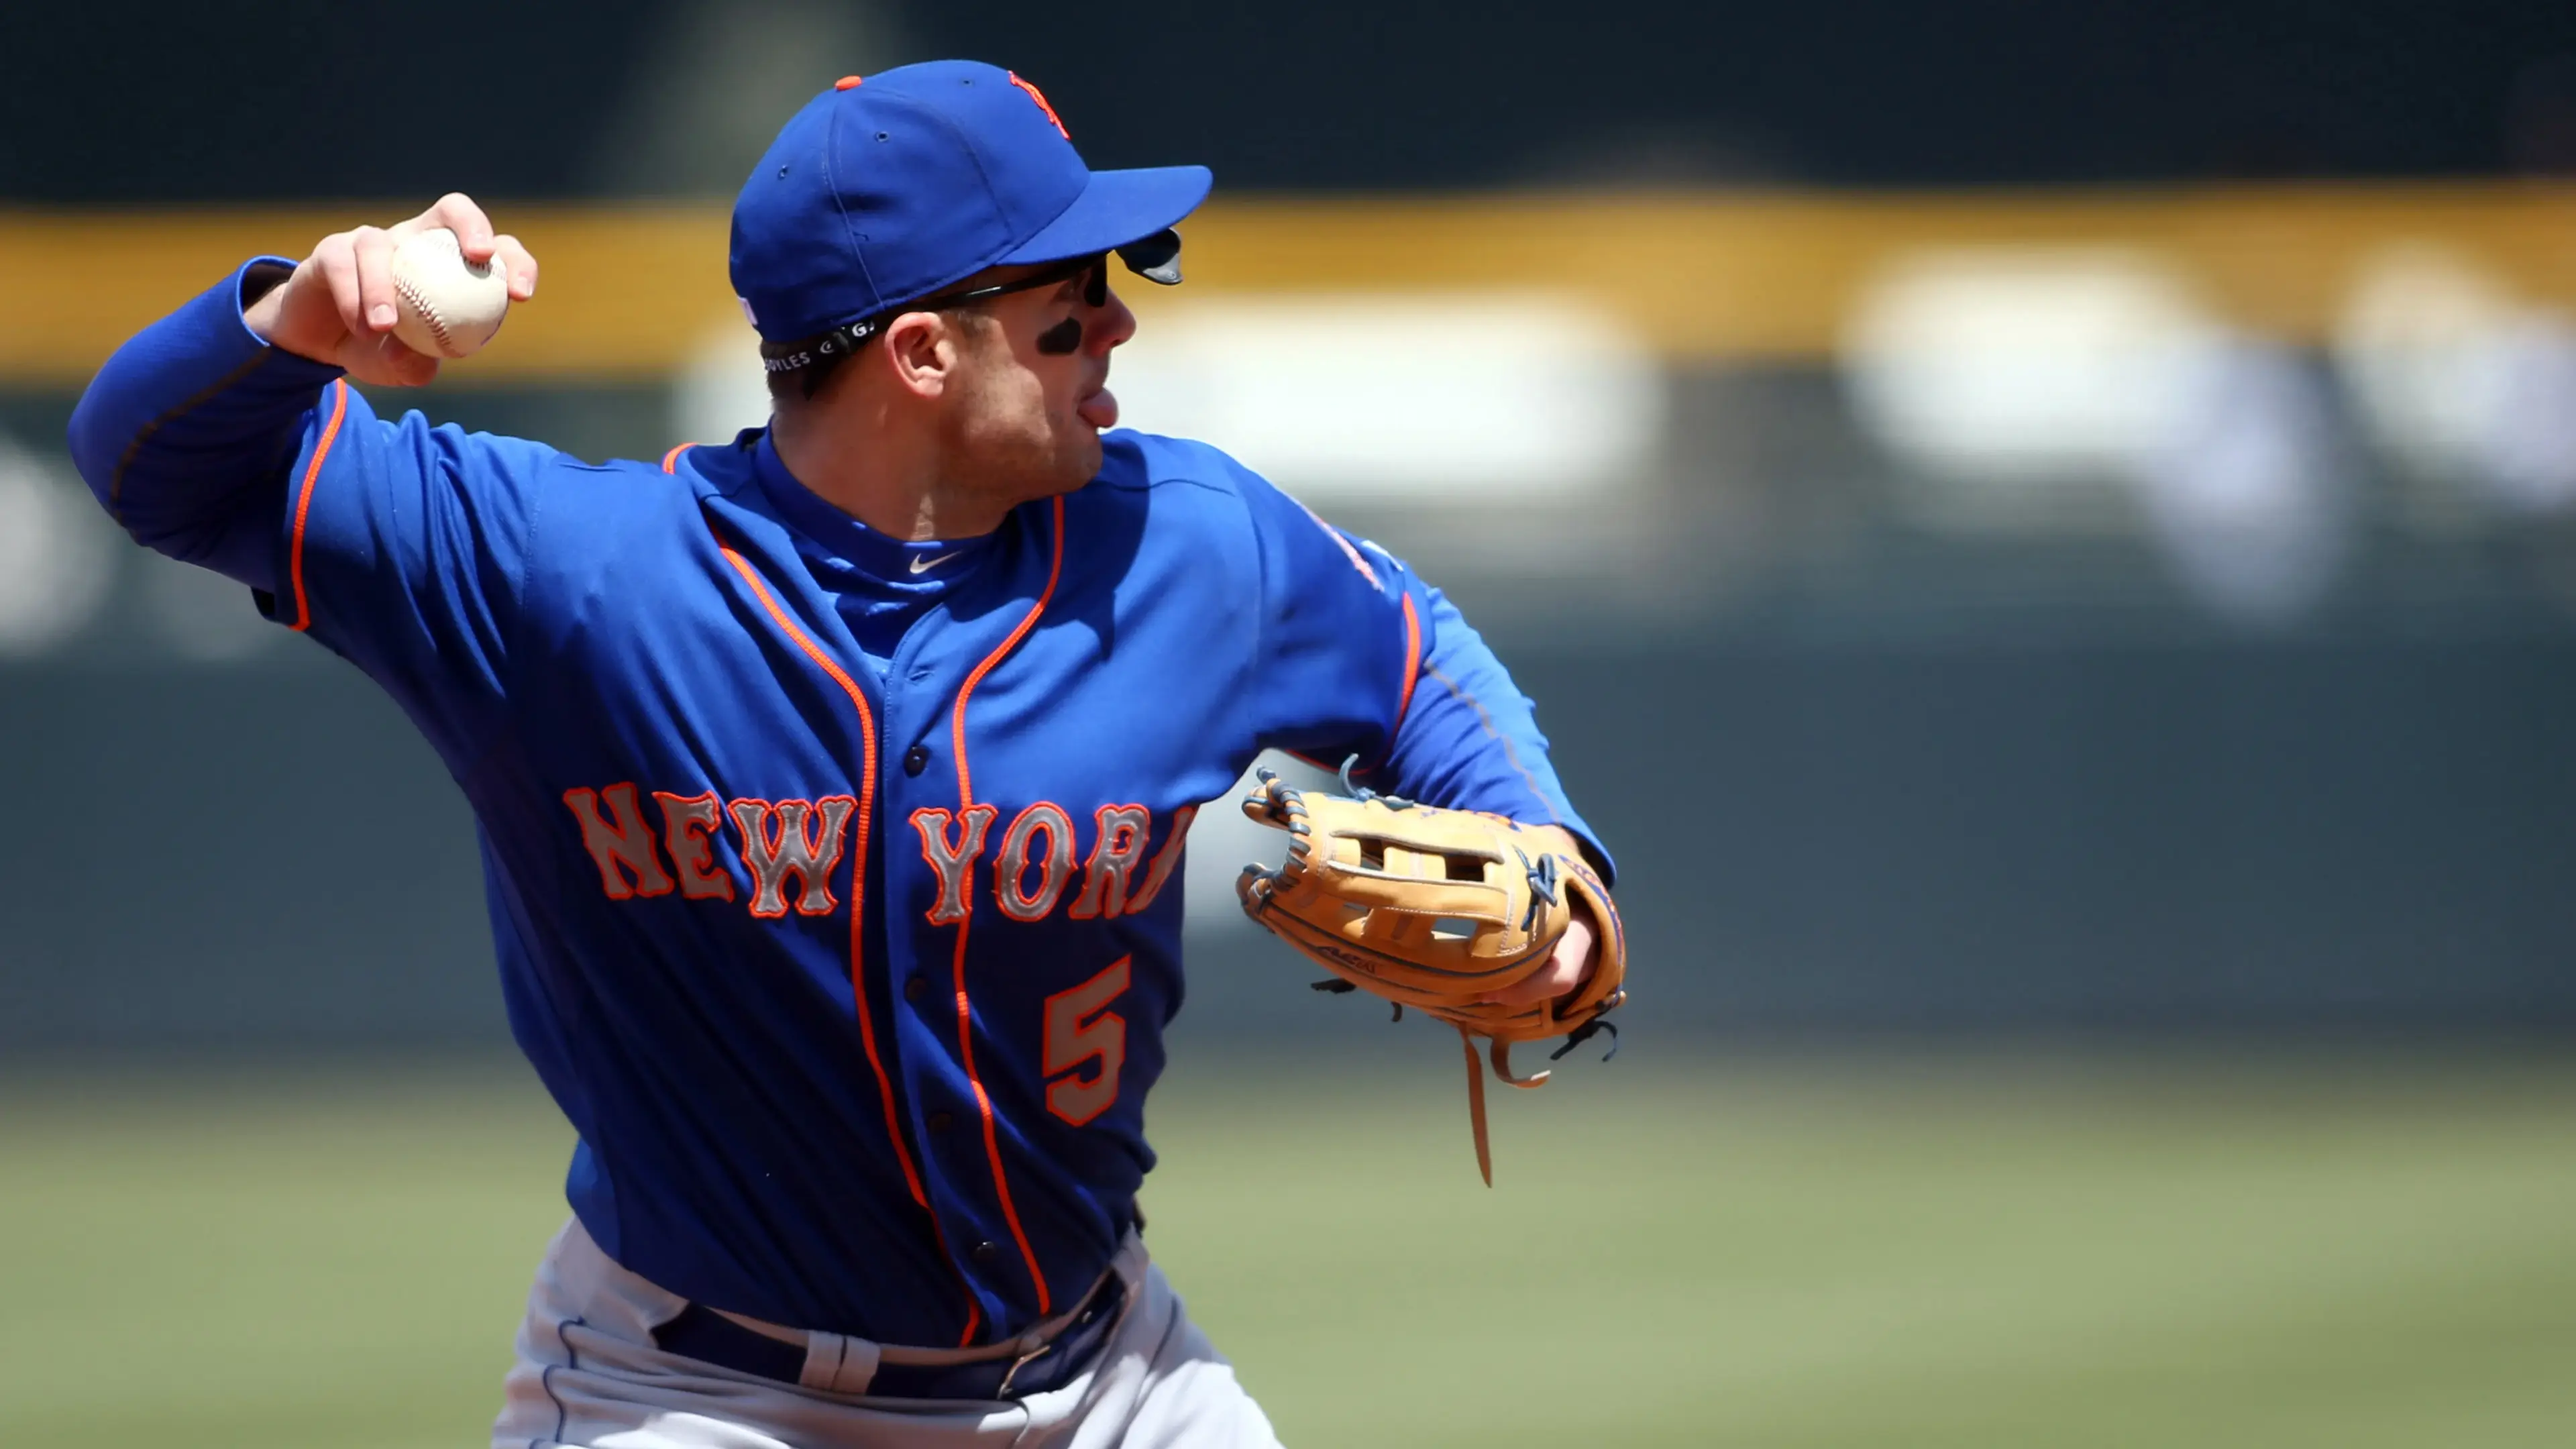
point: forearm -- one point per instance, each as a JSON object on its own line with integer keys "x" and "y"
{"x": 186, "y": 434}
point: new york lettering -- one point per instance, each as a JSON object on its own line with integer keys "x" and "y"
{"x": 1044, "y": 860}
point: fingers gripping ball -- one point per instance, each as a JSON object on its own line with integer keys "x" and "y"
{"x": 1435, "y": 910}
{"x": 444, "y": 305}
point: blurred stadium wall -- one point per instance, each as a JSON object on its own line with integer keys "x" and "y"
{"x": 1968, "y": 594}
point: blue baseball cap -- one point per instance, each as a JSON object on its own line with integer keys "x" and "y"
{"x": 889, "y": 187}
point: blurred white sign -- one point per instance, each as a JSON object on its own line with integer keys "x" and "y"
{"x": 2245, "y": 495}
{"x": 2407, "y": 345}
{"x": 2003, "y": 367}
{"x": 56, "y": 554}
{"x": 2459, "y": 378}
{"x": 1401, "y": 397}
{"x": 2525, "y": 452}
{"x": 722, "y": 390}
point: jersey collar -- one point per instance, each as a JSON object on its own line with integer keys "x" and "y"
{"x": 864, "y": 549}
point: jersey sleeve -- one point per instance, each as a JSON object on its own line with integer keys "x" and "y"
{"x": 185, "y": 434}
{"x": 405, "y": 550}
{"x": 1359, "y": 657}
{"x": 1340, "y": 627}
{"x": 399, "y": 545}
{"x": 1470, "y": 739}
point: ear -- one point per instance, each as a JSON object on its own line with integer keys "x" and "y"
{"x": 922, "y": 351}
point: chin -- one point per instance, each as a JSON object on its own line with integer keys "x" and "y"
{"x": 1082, "y": 462}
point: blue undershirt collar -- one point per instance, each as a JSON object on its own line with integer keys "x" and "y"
{"x": 925, "y": 566}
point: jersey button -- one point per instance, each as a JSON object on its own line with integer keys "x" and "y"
{"x": 916, "y": 759}
{"x": 984, "y": 1252}
{"x": 941, "y": 1121}
{"x": 917, "y": 988}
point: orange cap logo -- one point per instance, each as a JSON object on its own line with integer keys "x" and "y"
{"x": 1040, "y": 97}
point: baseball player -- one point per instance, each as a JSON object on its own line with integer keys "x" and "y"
{"x": 831, "y": 781}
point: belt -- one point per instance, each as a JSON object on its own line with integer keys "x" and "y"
{"x": 1045, "y": 1358}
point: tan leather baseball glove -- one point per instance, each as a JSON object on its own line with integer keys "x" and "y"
{"x": 1435, "y": 909}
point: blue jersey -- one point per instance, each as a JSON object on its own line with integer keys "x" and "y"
{"x": 848, "y": 958}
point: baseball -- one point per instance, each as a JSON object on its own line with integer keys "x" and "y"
{"x": 445, "y": 306}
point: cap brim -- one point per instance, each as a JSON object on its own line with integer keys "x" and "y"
{"x": 1118, "y": 207}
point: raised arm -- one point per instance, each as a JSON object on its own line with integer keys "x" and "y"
{"x": 187, "y": 433}
{"x": 228, "y": 435}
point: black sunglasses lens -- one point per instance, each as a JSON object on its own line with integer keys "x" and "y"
{"x": 1096, "y": 290}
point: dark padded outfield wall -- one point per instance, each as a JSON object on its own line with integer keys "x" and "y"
{"x": 1858, "y": 838}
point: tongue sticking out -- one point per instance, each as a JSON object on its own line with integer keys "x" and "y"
{"x": 1100, "y": 409}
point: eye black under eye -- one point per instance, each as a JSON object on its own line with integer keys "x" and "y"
{"x": 1061, "y": 339}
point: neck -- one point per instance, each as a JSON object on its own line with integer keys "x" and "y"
{"x": 889, "y": 477}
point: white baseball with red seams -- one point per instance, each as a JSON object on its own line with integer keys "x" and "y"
{"x": 444, "y": 305}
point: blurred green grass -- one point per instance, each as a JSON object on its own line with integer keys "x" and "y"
{"x": 1961, "y": 1249}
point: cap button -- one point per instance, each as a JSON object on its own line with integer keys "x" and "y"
{"x": 848, "y": 82}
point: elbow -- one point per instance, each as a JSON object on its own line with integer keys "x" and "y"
{"x": 97, "y": 448}
{"x": 103, "y": 454}
{"x": 164, "y": 499}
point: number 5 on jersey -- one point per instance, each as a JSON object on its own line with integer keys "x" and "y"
{"x": 1079, "y": 1028}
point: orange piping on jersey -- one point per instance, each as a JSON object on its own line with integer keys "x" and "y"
{"x": 957, "y": 718}
{"x": 1344, "y": 544}
{"x": 858, "y": 890}
{"x": 858, "y": 857}
{"x": 1403, "y": 698}
{"x": 671, "y": 459}
{"x": 1412, "y": 668}
{"x": 304, "y": 503}
{"x": 965, "y": 1014}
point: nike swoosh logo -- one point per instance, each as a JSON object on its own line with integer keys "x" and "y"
{"x": 925, "y": 565}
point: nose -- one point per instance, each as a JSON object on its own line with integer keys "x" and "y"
{"x": 1112, "y": 324}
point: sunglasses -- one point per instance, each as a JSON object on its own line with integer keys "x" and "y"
{"x": 1157, "y": 258}
{"x": 1095, "y": 291}
{"x": 1065, "y": 337}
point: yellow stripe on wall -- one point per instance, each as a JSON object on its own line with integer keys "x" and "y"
{"x": 622, "y": 293}
{"x": 628, "y": 291}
